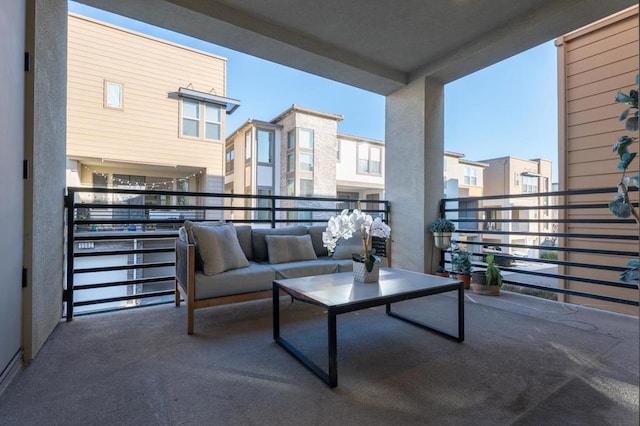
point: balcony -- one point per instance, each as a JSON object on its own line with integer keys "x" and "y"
{"x": 525, "y": 360}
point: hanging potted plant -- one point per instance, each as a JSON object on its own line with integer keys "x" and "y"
{"x": 461, "y": 264}
{"x": 489, "y": 281}
{"x": 442, "y": 230}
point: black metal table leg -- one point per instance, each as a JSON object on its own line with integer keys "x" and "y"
{"x": 276, "y": 312}
{"x": 459, "y": 337}
{"x": 333, "y": 348}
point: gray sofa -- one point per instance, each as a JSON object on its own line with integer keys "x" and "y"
{"x": 219, "y": 263}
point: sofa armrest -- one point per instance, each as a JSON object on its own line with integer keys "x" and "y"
{"x": 184, "y": 257}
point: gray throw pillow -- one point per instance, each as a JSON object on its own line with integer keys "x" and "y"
{"x": 345, "y": 248}
{"x": 219, "y": 248}
{"x": 260, "y": 245}
{"x": 289, "y": 248}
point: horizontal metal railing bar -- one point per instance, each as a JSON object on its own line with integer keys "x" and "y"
{"x": 150, "y": 280}
{"x": 565, "y": 249}
{"x": 575, "y": 293}
{"x": 125, "y": 298}
{"x": 574, "y": 221}
{"x": 123, "y": 267}
{"x": 124, "y": 308}
{"x": 548, "y": 207}
{"x": 119, "y": 252}
{"x": 209, "y": 195}
{"x": 572, "y": 278}
{"x": 607, "y": 190}
{"x": 553, "y": 262}
{"x": 125, "y": 235}
{"x": 548, "y": 234}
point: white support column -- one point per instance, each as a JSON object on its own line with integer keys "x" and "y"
{"x": 414, "y": 153}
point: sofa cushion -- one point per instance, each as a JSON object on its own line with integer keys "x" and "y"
{"x": 289, "y": 248}
{"x": 219, "y": 248}
{"x": 345, "y": 248}
{"x": 259, "y": 244}
{"x": 305, "y": 268}
{"x": 255, "y": 277}
{"x": 316, "y": 238}
{"x": 244, "y": 238}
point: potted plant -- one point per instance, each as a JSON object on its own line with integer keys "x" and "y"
{"x": 442, "y": 272}
{"x": 487, "y": 282}
{"x": 442, "y": 230}
{"x": 365, "y": 263}
{"x": 461, "y": 263}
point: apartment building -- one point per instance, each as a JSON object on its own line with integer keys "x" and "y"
{"x": 594, "y": 62}
{"x": 143, "y": 113}
{"x": 510, "y": 176}
{"x": 300, "y": 153}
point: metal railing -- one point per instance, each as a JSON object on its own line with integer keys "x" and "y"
{"x": 121, "y": 242}
{"x": 573, "y": 247}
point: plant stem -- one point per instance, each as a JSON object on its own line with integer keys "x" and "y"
{"x": 634, "y": 212}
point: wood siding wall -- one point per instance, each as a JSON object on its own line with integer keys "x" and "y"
{"x": 593, "y": 64}
{"x": 151, "y": 71}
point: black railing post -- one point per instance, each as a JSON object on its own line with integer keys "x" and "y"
{"x": 68, "y": 293}
{"x": 273, "y": 212}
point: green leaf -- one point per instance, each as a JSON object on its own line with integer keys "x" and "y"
{"x": 633, "y": 263}
{"x": 631, "y": 124}
{"x": 625, "y": 160}
{"x": 624, "y": 114}
{"x": 634, "y": 181}
{"x": 620, "y": 147}
{"x": 637, "y": 79}
{"x": 622, "y": 98}
{"x": 620, "y": 209}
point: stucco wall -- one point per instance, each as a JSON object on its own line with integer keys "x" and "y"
{"x": 45, "y": 135}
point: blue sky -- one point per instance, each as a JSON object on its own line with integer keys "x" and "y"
{"x": 509, "y": 108}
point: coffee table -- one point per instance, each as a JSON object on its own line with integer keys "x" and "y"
{"x": 338, "y": 294}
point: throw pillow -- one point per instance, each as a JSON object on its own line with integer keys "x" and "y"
{"x": 219, "y": 248}
{"x": 289, "y": 248}
{"x": 260, "y": 245}
{"x": 346, "y": 248}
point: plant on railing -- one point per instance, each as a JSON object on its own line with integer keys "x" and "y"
{"x": 622, "y": 206}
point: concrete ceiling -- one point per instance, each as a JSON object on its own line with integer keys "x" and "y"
{"x": 377, "y": 45}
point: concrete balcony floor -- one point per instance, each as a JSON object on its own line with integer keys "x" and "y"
{"x": 525, "y": 361}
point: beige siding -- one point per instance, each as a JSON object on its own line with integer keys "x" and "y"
{"x": 151, "y": 71}
{"x": 594, "y": 63}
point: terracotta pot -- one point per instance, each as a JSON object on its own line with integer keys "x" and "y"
{"x": 479, "y": 285}
{"x": 443, "y": 274}
{"x": 466, "y": 280}
{"x": 485, "y": 290}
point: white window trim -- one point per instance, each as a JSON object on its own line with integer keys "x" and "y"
{"x": 107, "y": 84}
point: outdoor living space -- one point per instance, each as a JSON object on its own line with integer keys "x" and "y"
{"x": 524, "y": 361}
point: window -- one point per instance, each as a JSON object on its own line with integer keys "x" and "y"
{"x": 516, "y": 179}
{"x": 247, "y": 147}
{"x": 338, "y": 149}
{"x": 229, "y": 158}
{"x": 306, "y": 138}
{"x": 112, "y": 95}
{"x": 265, "y": 146}
{"x": 369, "y": 158}
{"x": 264, "y": 202}
{"x": 465, "y": 213}
{"x": 291, "y": 162}
{"x": 291, "y": 139}
{"x": 291, "y": 187}
{"x": 212, "y": 122}
{"x": 306, "y": 161}
{"x": 190, "y": 118}
{"x": 529, "y": 184}
{"x": 306, "y": 187}
{"x": 470, "y": 176}
{"x": 192, "y": 126}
